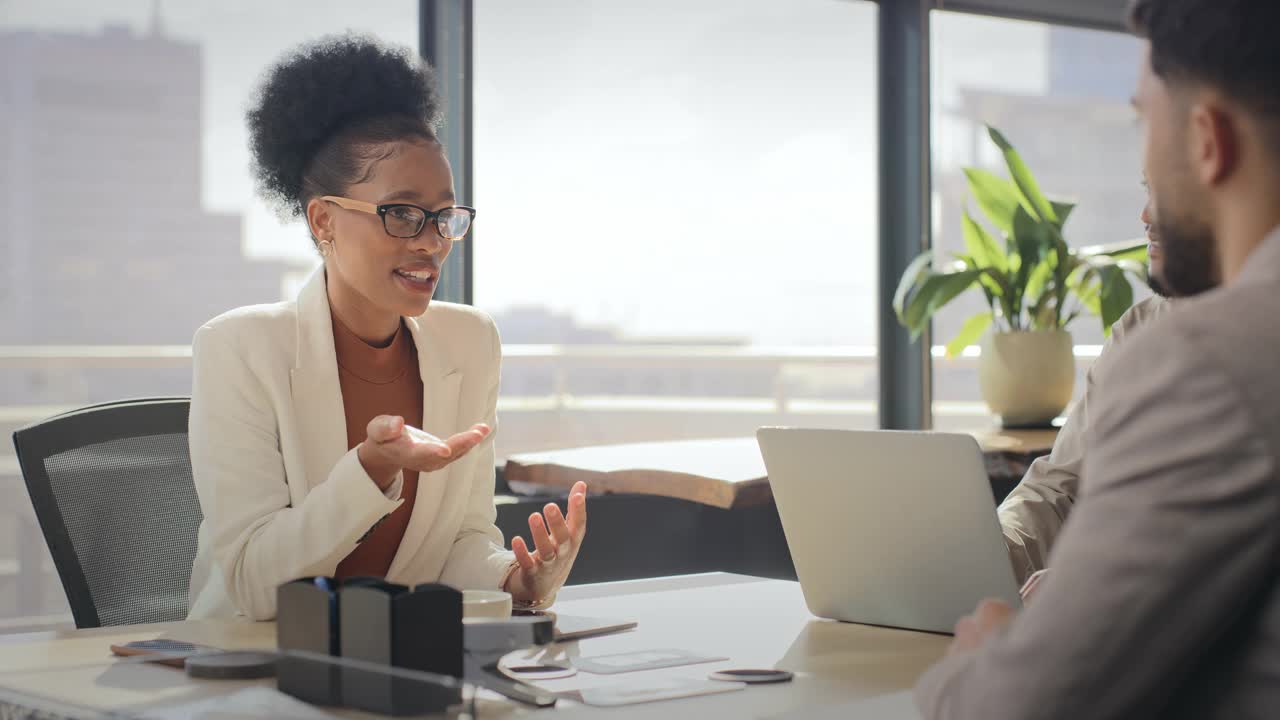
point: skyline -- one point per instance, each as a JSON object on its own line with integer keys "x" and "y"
{"x": 687, "y": 120}
{"x": 99, "y": 182}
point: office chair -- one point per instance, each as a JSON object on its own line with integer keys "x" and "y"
{"x": 112, "y": 489}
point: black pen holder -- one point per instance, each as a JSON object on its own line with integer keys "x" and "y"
{"x": 308, "y": 621}
{"x": 413, "y": 629}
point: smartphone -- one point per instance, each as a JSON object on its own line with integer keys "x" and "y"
{"x": 178, "y": 649}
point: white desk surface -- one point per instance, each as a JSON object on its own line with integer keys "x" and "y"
{"x": 755, "y": 622}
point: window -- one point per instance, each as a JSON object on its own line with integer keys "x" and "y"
{"x": 127, "y": 213}
{"x": 677, "y": 229}
{"x": 1061, "y": 96}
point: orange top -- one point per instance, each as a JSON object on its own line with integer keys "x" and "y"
{"x": 378, "y": 381}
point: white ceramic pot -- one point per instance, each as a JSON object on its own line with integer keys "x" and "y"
{"x": 1027, "y": 377}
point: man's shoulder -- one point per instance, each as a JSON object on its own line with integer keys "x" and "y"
{"x": 1135, "y": 321}
{"x": 1230, "y": 332}
{"x": 1141, "y": 314}
{"x": 1237, "y": 329}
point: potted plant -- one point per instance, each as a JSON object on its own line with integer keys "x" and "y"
{"x": 1035, "y": 285}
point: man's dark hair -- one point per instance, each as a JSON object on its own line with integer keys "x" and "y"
{"x": 325, "y": 113}
{"x": 1230, "y": 45}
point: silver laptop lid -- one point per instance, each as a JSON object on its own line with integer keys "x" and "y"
{"x": 888, "y": 528}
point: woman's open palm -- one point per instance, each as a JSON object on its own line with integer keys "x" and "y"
{"x": 392, "y": 445}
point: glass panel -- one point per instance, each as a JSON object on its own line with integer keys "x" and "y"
{"x": 1061, "y": 96}
{"x": 127, "y": 212}
{"x": 719, "y": 273}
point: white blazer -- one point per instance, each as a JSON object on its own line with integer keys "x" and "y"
{"x": 282, "y": 496}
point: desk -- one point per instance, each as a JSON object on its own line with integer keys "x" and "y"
{"x": 725, "y": 473}
{"x": 753, "y": 621}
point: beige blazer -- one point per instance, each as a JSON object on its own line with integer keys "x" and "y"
{"x": 1033, "y": 514}
{"x": 1164, "y": 596}
{"x": 282, "y": 496}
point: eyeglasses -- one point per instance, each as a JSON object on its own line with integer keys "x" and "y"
{"x": 406, "y": 221}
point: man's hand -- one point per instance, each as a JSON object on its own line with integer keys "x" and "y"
{"x": 973, "y": 631}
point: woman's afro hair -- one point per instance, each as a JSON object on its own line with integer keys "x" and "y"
{"x": 328, "y": 88}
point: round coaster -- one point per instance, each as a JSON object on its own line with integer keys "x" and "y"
{"x": 232, "y": 666}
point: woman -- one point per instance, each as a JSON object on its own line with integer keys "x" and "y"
{"x": 305, "y": 415}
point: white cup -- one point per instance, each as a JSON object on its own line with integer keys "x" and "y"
{"x": 487, "y": 604}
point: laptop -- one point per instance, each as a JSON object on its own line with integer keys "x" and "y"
{"x": 888, "y": 528}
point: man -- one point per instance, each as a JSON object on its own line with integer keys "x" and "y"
{"x": 1164, "y": 599}
{"x": 1033, "y": 514}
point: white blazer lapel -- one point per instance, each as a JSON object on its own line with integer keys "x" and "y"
{"x": 317, "y": 395}
{"x": 441, "y": 378}
{"x": 441, "y": 383}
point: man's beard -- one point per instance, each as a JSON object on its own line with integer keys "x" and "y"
{"x": 1190, "y": 260}
{"x": 1157, "y": 285}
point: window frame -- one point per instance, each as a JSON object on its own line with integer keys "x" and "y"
{"x": 1090, "y": 14}
{"x": 905, "y": 132}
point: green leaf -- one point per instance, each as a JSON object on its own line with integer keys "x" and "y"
{"x": 993, "y": 281}
{"x": 1030, "y": 242}
{"x": 1037, "y": 280}
{"x": 1023, "y": 178}
{"x": 982, "y": 247}
{"x": 990, "y": 278}
{"x": 1091, "y": 300}
{"x": 1062, "y": 210}
{"x": 910, "y": 277}
{"x": 1116, "y": 296}
{"x": 1134, "y": 268}
{"x": 1079, "y": 275}
{"x": 1044, "y": 314}
{"x": 996, "y": 284}
{"x": 1139, "y": 256}
{"x": 1086, "y": 287}
{"x": 1059, "y": 242}
{"x": 997, "y": 197}
{"x": 1128, "y": 250}
{"x": 934, "y": 292}
{"x": 969, "y": 332}
{"x": 1070, "y": 265}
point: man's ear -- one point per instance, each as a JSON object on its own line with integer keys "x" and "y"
{"x": 1213, "y": 138}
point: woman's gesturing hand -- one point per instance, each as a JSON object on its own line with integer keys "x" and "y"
{"x": 391, "y": 445}
{"x": 557, "y": 539}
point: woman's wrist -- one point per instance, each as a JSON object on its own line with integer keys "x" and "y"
{"x": 382, "y": 473}
{"x": 513, "y": 584}
{"x": 522, "y": 596}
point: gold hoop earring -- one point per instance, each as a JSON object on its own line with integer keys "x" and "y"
{"x": 326, "y": 248}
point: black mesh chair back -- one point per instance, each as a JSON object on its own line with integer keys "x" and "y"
{"x": 112, "y": 489}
